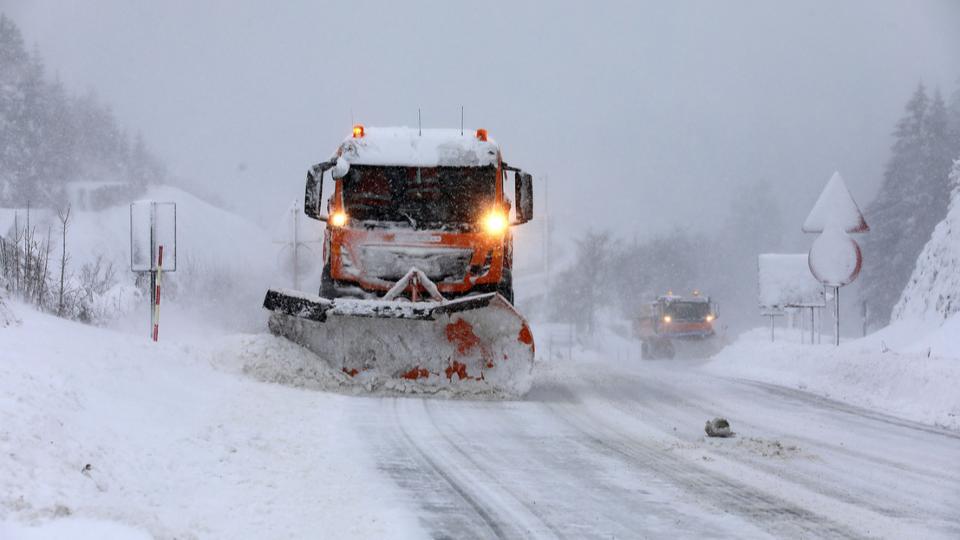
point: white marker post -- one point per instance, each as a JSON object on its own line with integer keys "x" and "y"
{"x": 153, "y": 231}
{"x": 156, "y": 295}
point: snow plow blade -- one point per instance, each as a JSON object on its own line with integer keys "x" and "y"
{"x": 472, "y": 345}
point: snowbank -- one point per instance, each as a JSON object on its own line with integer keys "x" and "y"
{"x": 933, "y": 292}
{"x": 107, "y": 435}
{"x": 906, "y": 370}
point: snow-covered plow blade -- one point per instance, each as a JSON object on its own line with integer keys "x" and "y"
{"x": 475, "y": 344}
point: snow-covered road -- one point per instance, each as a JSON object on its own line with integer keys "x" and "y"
{"x": 603, "y": 451}
{"x": 104, "y": 431}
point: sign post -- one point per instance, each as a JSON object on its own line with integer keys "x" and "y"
{"x": 153, "y": 238}
{"x": 835, "y": 258}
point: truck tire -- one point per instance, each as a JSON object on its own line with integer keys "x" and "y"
{"x": 505, "y": 287}
{"x": 327, "y": 289}
{"x": 667, "y": 349}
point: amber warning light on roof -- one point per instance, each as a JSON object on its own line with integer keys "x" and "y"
{"x": 358, "y": 131}
{"x": 482, "y": 134}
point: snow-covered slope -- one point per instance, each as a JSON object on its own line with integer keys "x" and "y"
{"x": 107, "y": 435}
{"x": 907, "y": 369}
{"x": 933, "y": 292}
{"x": 224, "y": 263}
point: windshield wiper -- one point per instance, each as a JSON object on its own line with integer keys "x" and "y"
{"x": 413, "y": 222}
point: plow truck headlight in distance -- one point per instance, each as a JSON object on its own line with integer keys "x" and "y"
{"x": 416, "y": 291}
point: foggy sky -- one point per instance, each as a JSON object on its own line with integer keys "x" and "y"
{"x": 645, "y": 115}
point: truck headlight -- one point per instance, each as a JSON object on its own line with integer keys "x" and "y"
{"x": 709, "y": 318}
{"x": 338, "y": 219}
{"x": 495, "y": 222}
{"x": 667, "y": 318}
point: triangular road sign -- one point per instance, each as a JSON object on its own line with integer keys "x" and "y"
{"x": 835, "y": 206}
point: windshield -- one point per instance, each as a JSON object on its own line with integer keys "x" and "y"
{"x": 687, "y": 311}
{"x": 419, "y": 195}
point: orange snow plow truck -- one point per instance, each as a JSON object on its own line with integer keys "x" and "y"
{"x": 416, "y": 291}
{"x": 671, "y": 319}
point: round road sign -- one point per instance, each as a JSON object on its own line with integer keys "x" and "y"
{"x": 835, "y": 258}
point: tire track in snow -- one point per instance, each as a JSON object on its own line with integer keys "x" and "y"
{"x": 474, "y": 505}
{"x": 864, "y": 418}
{"x": 767, "y": 512}
{"x": 882, "y": 506}
{"x": 492, "y": 476}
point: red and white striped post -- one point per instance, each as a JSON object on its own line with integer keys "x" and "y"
{"x": 156, "y": 294}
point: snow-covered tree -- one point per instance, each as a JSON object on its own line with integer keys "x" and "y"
{"x": 933, "y": 291}
{"x": 48, "y": 138}
{"x": 911, "y": 201}
{"x": 584, "y": 287}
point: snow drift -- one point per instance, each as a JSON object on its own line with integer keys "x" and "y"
{"x": 905, "y": 370}
{"x": 933, "y": 292}
{"x": 107, "y": 435}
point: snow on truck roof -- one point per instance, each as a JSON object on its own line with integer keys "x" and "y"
{"x": 425, "y": 148}
{"x": 683, "y": 299}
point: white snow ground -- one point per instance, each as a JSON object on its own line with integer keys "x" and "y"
{"x": 910, "y": 369}
{"x": 179, "y": 443}
{"x": 182, "y": 443}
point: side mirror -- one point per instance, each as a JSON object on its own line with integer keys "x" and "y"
{"x": 313, "y": 195}
{"x": 524, "y": 196}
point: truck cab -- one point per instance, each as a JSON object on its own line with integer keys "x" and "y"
{"x": 670, "y": 318}
{"x": 431, "y": 199}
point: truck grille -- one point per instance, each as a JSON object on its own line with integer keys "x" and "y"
{"x": 438, "y": 263}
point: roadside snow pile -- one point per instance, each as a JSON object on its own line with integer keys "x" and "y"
{"x": 106, "y": 435}
{"x": 933, "y": 292}
{"x": 277, "y": 360}
{"x": 916, "y": 378}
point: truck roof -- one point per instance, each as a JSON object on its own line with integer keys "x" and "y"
{"x": 419, "y": 148}
{"x": 686, "y": 299}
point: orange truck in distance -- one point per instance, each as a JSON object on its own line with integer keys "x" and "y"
{"x": 672, "y": 318}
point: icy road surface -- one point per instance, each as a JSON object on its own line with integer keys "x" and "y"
{"x": 104, "y": 434}
{"x": 598, "y": 451}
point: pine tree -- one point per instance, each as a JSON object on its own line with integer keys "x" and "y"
{"x": 48, "y": 138}
{"x": 13, "y": 63}
{"x": 953, "y": 119}
{"x": 912, "y": 200}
